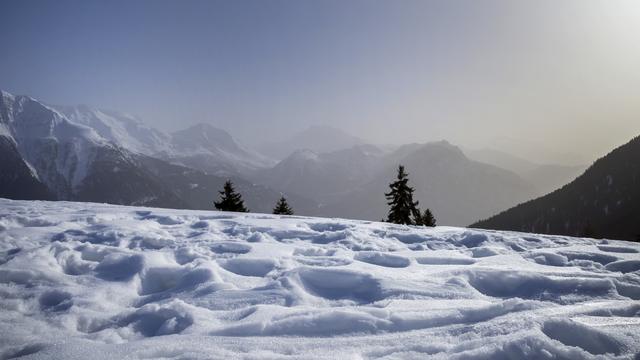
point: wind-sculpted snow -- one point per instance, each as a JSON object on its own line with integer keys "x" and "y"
{"x": 80, "y": 280}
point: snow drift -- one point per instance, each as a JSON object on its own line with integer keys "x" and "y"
{"x": 80, "y": 280}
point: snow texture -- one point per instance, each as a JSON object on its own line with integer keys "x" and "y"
{"x": 81, "y": 280}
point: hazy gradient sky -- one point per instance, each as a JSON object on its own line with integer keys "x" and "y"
{"x": 536, "y": 77}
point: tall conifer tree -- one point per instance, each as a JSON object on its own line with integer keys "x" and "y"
{"x": 400, "y": 200}
{"x": 230, "y": 200}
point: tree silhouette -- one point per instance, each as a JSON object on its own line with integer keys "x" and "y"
{"x": 425, "y": 218}
{"x": 230, "y": 200}
{"x": 282, "y": 207}
{"x": 400, "y": 200}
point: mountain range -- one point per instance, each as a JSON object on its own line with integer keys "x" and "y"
{"x": 84, "y": 154}
{"x": 200, "y": 146}
{"x": 351, "y": 183}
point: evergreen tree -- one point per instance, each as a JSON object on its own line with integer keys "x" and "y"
{"x": 400, "y": 200}
{"x": 425, "y": 218}
{"x": 230, "y": 200}
{"x": 282, "y": 207}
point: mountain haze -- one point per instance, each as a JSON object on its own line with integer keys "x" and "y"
{"x": 455, "y": 188}
{"x": 213, "y": 150}
{"x": 544, "y": 177}
{"x": 351, "y": 183}
{"x": 604, "y": 201}
{"x": 325, "y": 177}
{"x": 315, "y": 138}
{"x": 501, "y": 159}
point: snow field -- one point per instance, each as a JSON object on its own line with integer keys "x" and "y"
{"x": 81, "y": 280}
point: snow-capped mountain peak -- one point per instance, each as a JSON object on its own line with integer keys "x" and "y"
{"x": 58, "y": 151}
{"x": 201, "y": 146}
{"x": 59, "y": 144}
{"x": 124, "y": 130}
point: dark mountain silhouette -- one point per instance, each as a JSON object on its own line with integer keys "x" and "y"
{"x": 17, "y": 179}
{"x": 604, "y": 200}
{"x": 117, "y": 177}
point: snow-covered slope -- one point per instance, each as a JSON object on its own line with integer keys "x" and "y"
{"x": 82, "y": 280}
{"x": 125, "y": 130}
{"x": 59, "y": 152}
{"x": 202, "y": 146}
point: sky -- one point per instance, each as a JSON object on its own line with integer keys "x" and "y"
{"x": 554, "y": 81}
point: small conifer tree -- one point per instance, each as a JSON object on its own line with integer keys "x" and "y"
{"x": 282, "y": 207}
{"x": 425, "y": 218}
{"x": 230, "y": 200}
{"x": 400, "y": 200}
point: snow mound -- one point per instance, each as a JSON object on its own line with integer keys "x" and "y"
{"x": 80, "y": 280}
